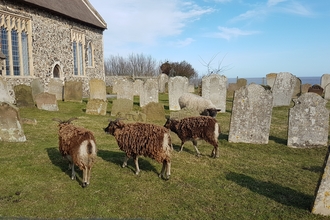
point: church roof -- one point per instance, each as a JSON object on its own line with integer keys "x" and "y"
{"x": 80, "y": 10}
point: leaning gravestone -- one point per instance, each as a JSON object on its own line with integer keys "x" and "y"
{"x": 176, "y": 87}
{"x": 121, "y": 107}
{"x": 37, "y": 87}
{"x": 4, "y": 94}
{"x": 321, "y": 205}
{"x": 251, "y": 115}
{"x": 97, "y": 89}
{"x": 96, "y": 107}
{"x": 214, "y": 88}
{"x": 23, "y": 96}
{"x": 55, "y": 86}
{"x": 46, "y": 101}
{"x": 11, "y": 128}
{"x": 283, "y": 89}
{"x": 308, "y": 122}
{"x": 149, "y": 92}
{"x": 73, "y": 91}
{"x": 325, "y": 80}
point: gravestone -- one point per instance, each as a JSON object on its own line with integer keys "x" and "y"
{"x": 96, "y": 107}
{"x": 241, "y": 82}
{"x": 191, "y": 88}
{"x": 283, "y": 89}
{"x": 232, "y": 87}
{"x": 46, "y": 101}
{"x": 11, "y": 128}
{"x": 176, "y": 87}
{"x": 121, "y": 106}
{"x": 270, "y": 79}
{"x": 162, "y": 82}
{"x": 124, "y": 89}
{"x": 327, "y": 92}
{"x": 149, "y": 92}
{"x": 23, "y": 96}
{"x": 55, "y": 86}
{"x": 305, "y": 87}
{"x": 97, "y": 89}
{"x": 325, "y": 80}
{"x": 73, "y": 91}
{"x": 308, "y": 122}
{"x": 37, "y": 87}
{"x": 4, "y": 94}
{"x": 321, "y": 205}
{"x": 214, "y": 88}
{"x": 316, "y": 89}
{"x": 154, "y": 112}
{"x": 251, "y": 115}
{"x": 138, "y": 87}
{"x": 297, "y": 89}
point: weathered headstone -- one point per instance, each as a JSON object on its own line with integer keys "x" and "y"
{"x": 149, "y": 92}
{"x": 55, "y": 86}
{"x": 232, "y": 87}
{"x": 308, "y": 122}
{"x": 96, "y": 107}
{"x": 283, "y": 89}
{"x": 124, "y": 89}
{"x": 73, "y": 91}
{"x": 4, "y": 94}
{"x": 321, "y": 205}
{"x": 270, "y": 79}
{"x": 191, "y": 88}
{"x": 251, "y": 115}
{"x": 11, "y": 128}
{"x": 176, "y": 87}
{"x": 325, "y": 80}
{"x": 316, "y": 89}
{"x": 154, "y": 112}
{"x": 297, "y": 89}
{"x": 37, "y": 87}
{"x": 97, "y": 89}
{"x": 327, "y": 92}
{"x": 46, "y": 101}
{"x": 23, "y": 96}
{"x": 305, "y": 87}
{"x": 241, "y": 82}
{"x": 138, "y": 87}
{"x": 120, "y": 106}
{"x": 162, "y": 82}
{"x": 214, "y": 88}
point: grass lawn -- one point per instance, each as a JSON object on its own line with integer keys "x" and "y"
{"x": 247, "y": 181}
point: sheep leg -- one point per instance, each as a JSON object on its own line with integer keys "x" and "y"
{"x": 86, "y": 176}
{"x": 215, "y": 152}
{"x": 125, "y": 161}
{"x": 73, "y": 174}
{"x": 137, "y": 171}
{"x": 182, "y": 142}
{"x": 195, "y": 145}
{"x": 166, "y": 170}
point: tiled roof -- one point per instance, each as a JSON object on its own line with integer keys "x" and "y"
{"x": 80, "y": 10}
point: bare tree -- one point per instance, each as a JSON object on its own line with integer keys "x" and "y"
{"x": 219, "y": 68}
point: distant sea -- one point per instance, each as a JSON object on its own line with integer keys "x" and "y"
{"x": 262, "y": 80}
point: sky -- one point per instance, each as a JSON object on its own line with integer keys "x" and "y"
{"x": 244, "y": 39}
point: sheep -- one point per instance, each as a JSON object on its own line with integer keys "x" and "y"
{"x": 195, "y": 102}
{"x": 194, "y": 128}
{"x": 78, "y": 146}
{"x": 149, "y": 140}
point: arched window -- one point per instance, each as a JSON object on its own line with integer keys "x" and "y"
{"x": 56, "y": 71}
{"x": 90, "y": 54}
{"x": 78, "y": 43}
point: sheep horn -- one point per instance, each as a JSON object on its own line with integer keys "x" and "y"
{"x": 57, "y": 119}
{"x": 71, "y": 119}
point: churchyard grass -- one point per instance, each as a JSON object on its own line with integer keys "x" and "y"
{"x": 247, "y": 181}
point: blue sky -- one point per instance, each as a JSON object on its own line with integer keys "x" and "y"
{"x": 245, "y": 39}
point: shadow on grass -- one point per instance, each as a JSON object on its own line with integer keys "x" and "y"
{"x": 274, "y": 191}
{"x": 118, "y": 158}
{"x": 56, "y": 159}
{"x": 278, "y": 140}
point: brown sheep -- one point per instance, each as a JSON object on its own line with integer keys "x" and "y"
{"x": 139, "y": 139}
{"x": 78, "y": 146}
{"x": 194, "y": 128}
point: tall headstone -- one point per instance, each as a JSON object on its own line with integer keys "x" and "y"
{"x": 308, "y": 122}
{"x": 97, "y": 89}
{"x": 270, "y": 79}
{"x": 23, "y": 96}
{"x": 321, "y": 205}
{"x": 251, "y": 115}
{"x": 149, "y": 92}
{"x": 124, "y": 89}
{"x": 11, "y": 128}
{"x": 214, "y": 88}
{"x": 176, "y": 87}
{"x": 73, "y": 91}
{"x": 283, "y": 89}
{"x": 325, "y": 80}
{"x": 327, "y": 92}
{"x": 46, "y": 101}
{"x": 138, "y": 87}
{"x": 55, "y": 86}
{"x": 37, "y": 87}
{"x": 4, "y": 94}
{"x": 162, "y": 82}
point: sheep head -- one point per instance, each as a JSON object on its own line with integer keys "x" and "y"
{"x": 113, "y": 126}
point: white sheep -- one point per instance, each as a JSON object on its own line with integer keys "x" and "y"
{"x": 78, "y": 146}
{"x": 149, "y": 140}
{"x": 195, "y": 102}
